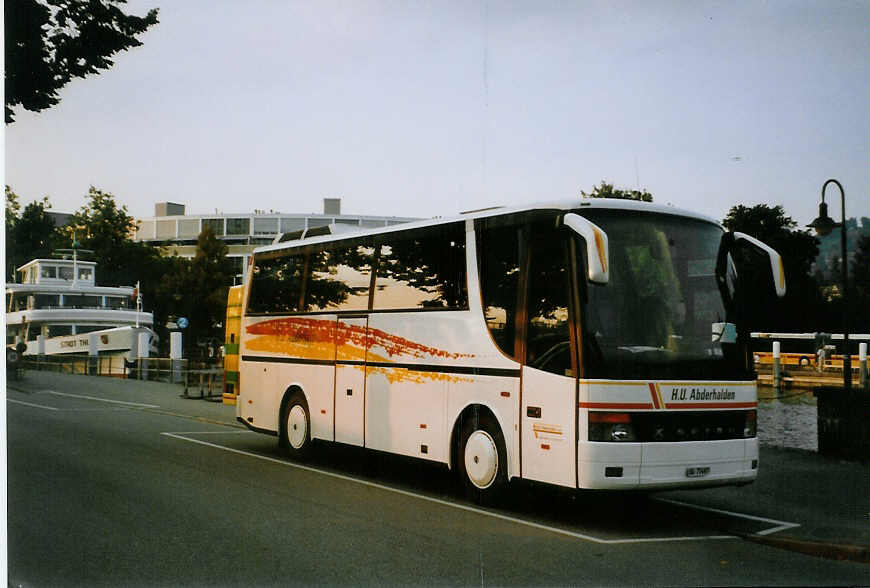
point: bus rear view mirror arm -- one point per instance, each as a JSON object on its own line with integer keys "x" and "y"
{"x": 597, "y": 261}
{"x": 776, "y": 267}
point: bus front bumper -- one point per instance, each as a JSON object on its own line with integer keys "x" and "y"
{"x": 658, "y": 466}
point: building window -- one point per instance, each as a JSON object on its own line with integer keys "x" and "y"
{"x": 238, "y": 226}
{"x": 265, "y": 226}
{"x": 288, "y": 225}
{"x": 215, "y": 224}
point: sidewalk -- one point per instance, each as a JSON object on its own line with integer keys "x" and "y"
{"x": 828, "y": 498}
{"x": 168, "y": 396}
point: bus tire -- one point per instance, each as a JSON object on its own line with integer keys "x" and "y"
{"x": 296, "y": 427}
{"x": 482, "y": 458}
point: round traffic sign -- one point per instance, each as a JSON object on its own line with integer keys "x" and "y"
{"x": 182, "y": 323}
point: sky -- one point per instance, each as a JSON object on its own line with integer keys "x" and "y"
{"x": 420, "y": 109}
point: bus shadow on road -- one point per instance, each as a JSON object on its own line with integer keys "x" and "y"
{"x": 611, "y": 517}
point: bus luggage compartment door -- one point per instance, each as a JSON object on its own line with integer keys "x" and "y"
{"x": 350, "y": 352}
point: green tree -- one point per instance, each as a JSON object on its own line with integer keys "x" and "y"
{"x": 197, "y": 290}
{"x": 13, "y": 213}
{"x": 107, "y": 229}
{"x": 605, "y": 190}
{"x": 860, "y": 279}
{"x": 30, "y": 234}
{"x": 50, "y": 42}
{"x": 802, "y": 309}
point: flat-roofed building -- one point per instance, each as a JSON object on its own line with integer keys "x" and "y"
{"x": 177, "y": 232}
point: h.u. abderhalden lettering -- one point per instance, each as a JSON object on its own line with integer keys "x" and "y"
{"x": 702, "y": 394}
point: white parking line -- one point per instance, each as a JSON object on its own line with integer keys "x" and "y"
{"x": 31, "y": 404}
{"x": 781, "y": 525}
{"x": 136, "y": 404}
{"x": 245, "y": 432}
{"x": 480, "y": 511}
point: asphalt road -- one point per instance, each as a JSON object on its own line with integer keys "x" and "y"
{"x": 116, "y": 487}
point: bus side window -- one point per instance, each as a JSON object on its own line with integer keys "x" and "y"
{"x": 276, "y": 284}
{"x": 422, "y": 269}
{"x": 340, "y": 277}
{"x": 499, "y": 260}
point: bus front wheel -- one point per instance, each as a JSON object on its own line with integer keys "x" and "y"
{"x": 296, "y": 430}
{"x": 482, "y": 462}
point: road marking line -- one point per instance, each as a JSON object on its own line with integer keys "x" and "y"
{"x": 488, "y": 513}
{"x": 33, "y": 405}
{"x": 212, "y": 432}
{"x": 781, "y": 525}
{"x": 101, "y": 399}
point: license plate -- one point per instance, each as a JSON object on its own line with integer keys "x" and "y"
{"x": 697, "y": 472}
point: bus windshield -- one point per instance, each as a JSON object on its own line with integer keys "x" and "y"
{"x": 659, "y": 315}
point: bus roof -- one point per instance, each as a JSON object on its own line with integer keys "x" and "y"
{"x": 563, "y": 205}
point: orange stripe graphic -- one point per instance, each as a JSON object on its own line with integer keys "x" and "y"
{"x": 327, "y": 340}
{"x": 655, "y": 396}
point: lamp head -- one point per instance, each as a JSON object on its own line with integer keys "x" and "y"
{"x": 824, "y": 224}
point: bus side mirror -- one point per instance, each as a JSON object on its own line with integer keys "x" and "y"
{"x": 776, "y": 267}
{"x": 596, "y": 247}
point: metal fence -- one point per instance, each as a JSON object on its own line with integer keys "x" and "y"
{"x": 201, "y": 379}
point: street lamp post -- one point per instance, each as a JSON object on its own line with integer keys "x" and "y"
{"x": 823, "y": 226}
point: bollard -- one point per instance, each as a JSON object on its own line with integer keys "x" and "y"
{"x": 93, "y": 355}
{"x": 144, "y": 351}
{"x": 777, "y": 368}
{"x": 862, "y": 363}
{"x": 175, "y": 356}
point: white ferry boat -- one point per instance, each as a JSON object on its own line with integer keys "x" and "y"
{"x": 58, "y": 301}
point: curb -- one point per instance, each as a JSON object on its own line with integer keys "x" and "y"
{"x": 836, "y": 551}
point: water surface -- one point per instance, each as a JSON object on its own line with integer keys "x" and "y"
{"x": 787, "y": 419}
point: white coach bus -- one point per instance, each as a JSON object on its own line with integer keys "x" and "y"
{"x": 587, "y": 344}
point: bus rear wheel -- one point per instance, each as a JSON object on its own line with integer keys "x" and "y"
{"x": 482, "y": 459}
{"x": 296, "y": 429}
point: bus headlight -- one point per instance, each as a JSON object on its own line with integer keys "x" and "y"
{"x": 750, "y": 427}
{"x": 611, "y": 426}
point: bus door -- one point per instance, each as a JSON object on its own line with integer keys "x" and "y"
{"x": 549, "y": 373}
{"x": 351, "y": 342}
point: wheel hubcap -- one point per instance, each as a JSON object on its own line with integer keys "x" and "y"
{"x": 297, "y": 430}
{"x": 481, "y": 459}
